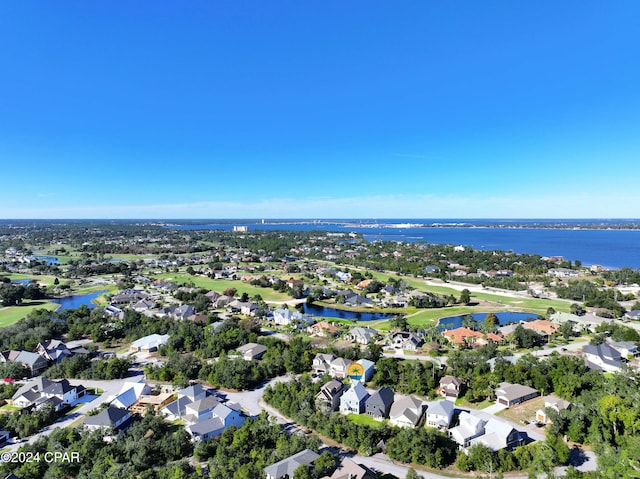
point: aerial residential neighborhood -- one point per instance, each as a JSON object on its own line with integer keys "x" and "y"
{"x": 175, "y": 346}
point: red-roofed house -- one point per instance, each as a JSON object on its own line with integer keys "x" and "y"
{"x": 469, "y": 336}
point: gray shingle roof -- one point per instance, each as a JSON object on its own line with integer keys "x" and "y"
{"x": 287, "y": 466}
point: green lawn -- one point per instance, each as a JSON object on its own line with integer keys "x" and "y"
{"x": 46, "y": 280}
{"x": 220, "y": 285}
{"x": 8, "y": 408}
{"x": 364, "y": 420}
{"x": 12, "y": 314}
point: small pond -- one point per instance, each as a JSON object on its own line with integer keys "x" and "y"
{"x": 504, "y": 318}
{"x": 49, "y": 259}
{"x": 314, "y": 310}
{"x": 77, "y": 300}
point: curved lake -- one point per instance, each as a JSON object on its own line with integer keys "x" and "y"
{"x": 77, "y": 300}
{"x": 314, "y": 310}
{"x": 504, "y": 318}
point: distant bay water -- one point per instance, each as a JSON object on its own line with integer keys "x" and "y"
{"x": 604, "y": 242}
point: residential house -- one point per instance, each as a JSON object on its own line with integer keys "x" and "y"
{"x": 357, "y": 300}
{"x": 113, "y": 310}
{"x": 344, "y": 277}
{"x": 222, "y": 417}
{"x": 230, "y": 414}
{"x": 328, "y": 398}
{"x": 361, "y": 370}
{"x": 292, "y": 283}
{"x": 469, "y": 427}
{"x": 285, "y": 469}
{"x": 42, "y": 391}
{"x": 323, "y": 329}
{"x": 511, "y": 394}
{"x": 543, "y": 327}
{"x": 378, "y": 405}
{"x": 562, "y": 273}
{"x": 498, "y": 434}
{"x": 53, "y": 350}
{"x": 349, "y": 469}
{"x": 251, "y": 351}
{"x": 627, "y": 349}
{"x": 450, "y": 387}
{"x": 62, "y": 393}
{"x": 144, "y": 305}
{"x": 405, "y": 340}
{"x": 130, "y": 393}
{"x": 339, "y": 367}
{"x": 194, "y": 392}
{"x": 112, "y": 418}
{"x": 249, "y": 309}
{"x": 33, "y": 361}
{"x": 440, "y": 414}
{"x": 554, "y": 403}
{"x": 287, "y": 317}
{"x": 353, "y": 400}
{"x": 633, "y": 315}
{"x": 406, "y": 412}
{"x": 587, "y": 322}
{"x": 149, "y": 344}
{"x": 466, "y": 336}
{"x": 205, "y": 429}
{"x": 180, "y": 312}
{"x": 128, "y": 296}
{"x": 177, "y": 409}
{"x": 213, "y": 296}
{"x": 602, "y": 357}
{"x": 222, "y": 301}
{"x": 199, "y": 318}
{"x": 362, "y": 335}
{"x": 322, "y": 363}
{"x": 283, "y": 317}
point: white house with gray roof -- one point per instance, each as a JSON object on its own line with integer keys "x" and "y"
{"x": 440, "y": 414}
{"x": 362, "y": 335}
{"x": 406, "y": 412}
{"x": 149, "y": 344}
{"x": 353, "y": 401}
{"x": 602, "y": 357}
{"x": 113, "y": 418}
{"x": 285, "y": 469}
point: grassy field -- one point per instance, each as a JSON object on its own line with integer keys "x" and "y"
{"x": 220, "y": 285}
{"x": 364, "y": 420}
{"x": 46, "y": 280}
{"x": 522, "y": 412}
{"x": 12, "y": 314}
{"x": 524, "y": 303}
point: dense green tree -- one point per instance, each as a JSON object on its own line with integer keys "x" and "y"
{"x": 465, "y": 296}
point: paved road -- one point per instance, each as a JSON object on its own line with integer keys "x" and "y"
{"x": 110, "y": 388}
{"x": 252, "y": 403}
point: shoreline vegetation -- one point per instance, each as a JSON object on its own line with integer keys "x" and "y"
{"x": 499, "y": 223}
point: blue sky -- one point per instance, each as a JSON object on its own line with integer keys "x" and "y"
{"x": 309, "y": 109}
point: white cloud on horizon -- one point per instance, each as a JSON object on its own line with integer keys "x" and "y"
{"x": 374, "y": 206}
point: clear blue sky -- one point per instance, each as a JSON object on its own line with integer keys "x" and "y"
{"x": 320, "y": 109}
